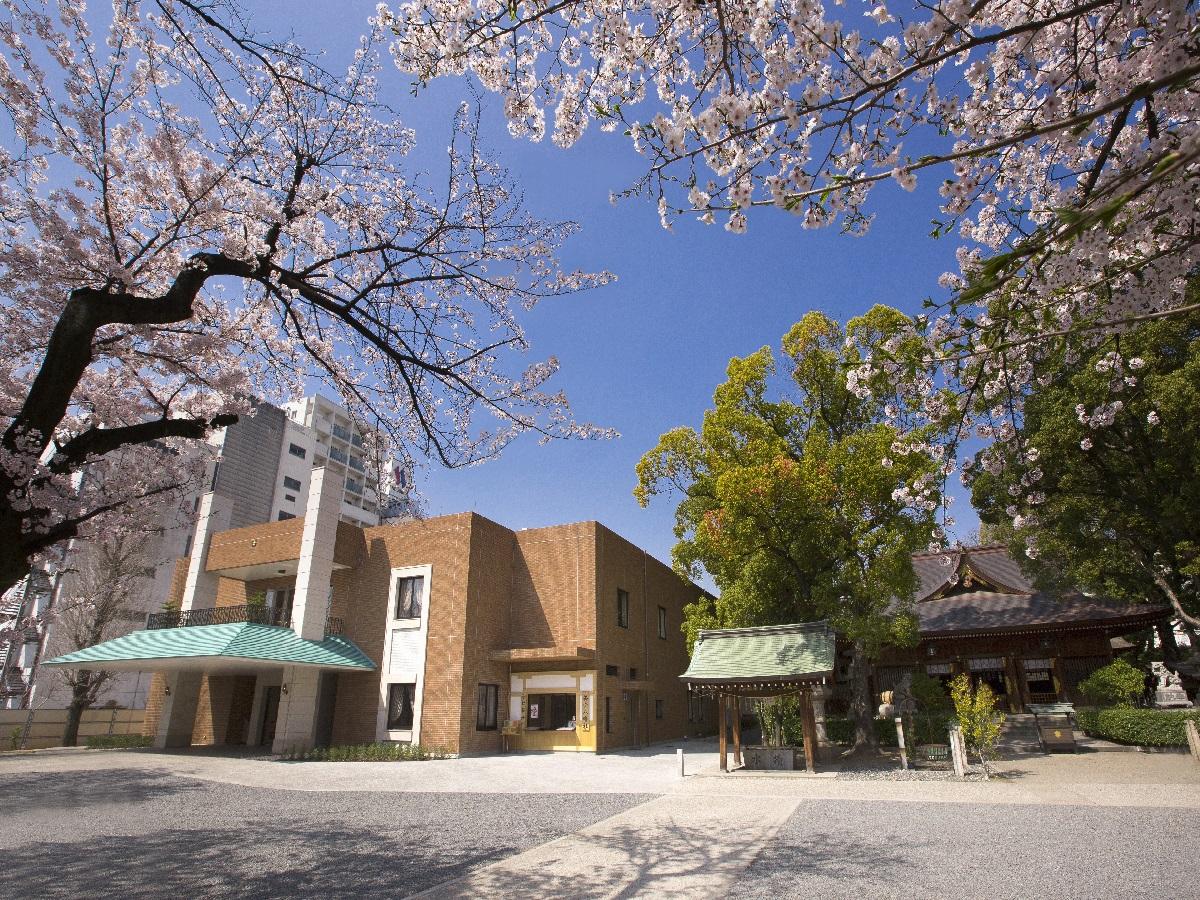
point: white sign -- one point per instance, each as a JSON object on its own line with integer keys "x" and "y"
{"x": 533, "y": 711}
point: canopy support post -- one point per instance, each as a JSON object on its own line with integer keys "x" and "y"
{"x": 736, "y": 702}
{"x": 724, "y": 704}
{"x": 808, "y": 720}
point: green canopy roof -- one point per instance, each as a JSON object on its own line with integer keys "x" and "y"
{"x": 232, "y": 646}
{"x": 763, "y": 659}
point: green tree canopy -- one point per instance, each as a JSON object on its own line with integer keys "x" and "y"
{"x": 799, "y": 498}
{"x": 1112, "y": 450}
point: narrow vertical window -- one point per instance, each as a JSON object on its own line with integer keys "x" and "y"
{"x": 485, "y": 713}
{"x": 409, "y": 593}
{"x": 608, "y": 715}
{"x": 622, "y": 608}
{"x": 400, "y": 706}
{"x": 658, "y": 709}
{"x": 662, "y": 622}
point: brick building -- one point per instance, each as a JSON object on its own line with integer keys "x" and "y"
{"x": 453, "y": 632}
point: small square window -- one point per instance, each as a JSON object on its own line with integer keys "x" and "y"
{"x": 292, "y": 484}
{"x": 409, "y": 594}
{"x": 297, "y": 451}
{"x": 658, "y": 709}
{"x": 609, "y": 670}
{"x": 291, "y": 498}
{"x": 400, "y": 706}
{"x": 632, "y": 673}
{"x": 622, "y": 608}
{"x": 662, "y": 622}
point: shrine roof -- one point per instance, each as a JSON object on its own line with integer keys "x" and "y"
{"x": 777, "y": 655}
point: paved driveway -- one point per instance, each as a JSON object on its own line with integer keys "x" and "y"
{"x": 146, "y": 825}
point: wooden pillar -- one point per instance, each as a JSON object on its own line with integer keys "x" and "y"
{"x": 723, "y": 741}
{"x": 808, "y": 720}
{"x": 736, "y": 703}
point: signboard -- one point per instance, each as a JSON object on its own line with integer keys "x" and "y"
{"x": 533, "y": 711}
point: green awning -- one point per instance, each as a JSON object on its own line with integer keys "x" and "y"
{"x": 763, "y": 659}
{"x": 233, "y": 646}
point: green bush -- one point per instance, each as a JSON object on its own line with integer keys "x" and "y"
{"x": 841, "y": 731}
{"x": 1139, "y": 727}
{"x": 117, "y": 741}
{"x": 1117, "y": 684}
{"x": 384, "y": 751}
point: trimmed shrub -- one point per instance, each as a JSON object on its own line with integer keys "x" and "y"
{"x": 1117, "y": 684}
{"x": 117, "y": 741}
{"x": 841, "y": 731}
{"x": 383, "y": 751}
{"x": 1138, "y": 727}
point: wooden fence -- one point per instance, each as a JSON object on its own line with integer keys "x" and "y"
{"x": 46, "y": 729}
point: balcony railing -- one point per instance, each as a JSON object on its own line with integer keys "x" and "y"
{"x": 343, "y": 433}
{"x": 224, "y": 615}
{"x": 339, "y": 455}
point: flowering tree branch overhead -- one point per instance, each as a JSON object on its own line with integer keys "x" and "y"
{"x": 1065, "y": 134}
{"x": 191, "y": 217}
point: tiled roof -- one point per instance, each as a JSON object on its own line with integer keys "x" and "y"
{"x": 993, "y": 563}
{"x": 234, "y": 642}
{"x": 779, "y": 653}
{"x": 991, "y": 611}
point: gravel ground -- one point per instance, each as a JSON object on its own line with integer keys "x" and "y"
{"x": 138, "y": 833}
{"x": 854, "y": 849}
{"x": 974, "y": 773}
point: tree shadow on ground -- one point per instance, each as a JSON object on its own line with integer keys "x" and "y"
{"x": 79, "y": 790}
{"x": 271, "y": 861}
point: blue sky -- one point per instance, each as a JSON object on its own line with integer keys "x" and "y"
{"x": 644, "y": 354}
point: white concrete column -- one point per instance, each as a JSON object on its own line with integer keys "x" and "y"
{"x": 179, "y": 710}
{"x": 200, "y": 589}
{"x": 313, "y": 571}
{"x": 296, "y": 726}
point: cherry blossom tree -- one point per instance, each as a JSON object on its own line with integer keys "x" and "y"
{"x": 192, "y": 217}
{"x": 1064, "y": 134}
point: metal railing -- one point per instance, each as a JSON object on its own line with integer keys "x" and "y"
{"x": 224, "y": 615}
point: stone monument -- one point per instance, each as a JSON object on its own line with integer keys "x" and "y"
{"x": 1169, "y": 693}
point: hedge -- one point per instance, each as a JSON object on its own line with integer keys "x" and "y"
{"x": 379, "y": 752}
{"x": 1139, "y": 727}
{"x": 117, "y": 741}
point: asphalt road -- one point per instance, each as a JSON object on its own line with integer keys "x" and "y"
{"x": 146, "y": 834}
{"x": 857, "y": 849}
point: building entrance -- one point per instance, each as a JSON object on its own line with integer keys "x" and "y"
{"x": 270, "y": 714}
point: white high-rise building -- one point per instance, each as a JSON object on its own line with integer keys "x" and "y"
{"x": 263, "y": 466}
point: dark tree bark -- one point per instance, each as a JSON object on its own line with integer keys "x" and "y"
{"x": 81, "y": 699}
{"x": 862, "y": 713}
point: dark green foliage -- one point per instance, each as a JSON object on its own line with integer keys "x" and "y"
{"x": 1138, "y": 727}
{"x": 117, "y": 741}
{"x": 379, "y": 752}
{"x": 1117, "y": 684}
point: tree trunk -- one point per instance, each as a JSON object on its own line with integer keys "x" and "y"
{"x": 79, "y": 702}
{"x": 1166, "y": 637}
{"x": 862, "y": 712}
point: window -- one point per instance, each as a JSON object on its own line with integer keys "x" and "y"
{"x": 551, "y": 712}
{"x": 612, "y": 670}
{"x": 409, "y": 591}
{"x": 633, "y": 673}
{"x": 658, "y": 709}
{"x": 608, "y": 715}
{"x": 187, "y": 546}
{"x": 291, "y": 498}
{"x": 400, "y": 706}
{"x": 622, "y": 608}
{"x": 292, "y": 484}
{"x": 662, "y": 622}
{"x": 485, "y": 711}
{"x": 695, "y": 708}
{"x": 297, "y": 451}
{"x": 285, "y": 515}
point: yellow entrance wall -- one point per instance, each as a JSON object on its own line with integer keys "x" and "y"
{"x": 580, "y": 683}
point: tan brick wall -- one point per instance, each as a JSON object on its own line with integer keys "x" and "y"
{"x": 360, "y": 597}
{"x": 650, "y": 583}
{"x": 488, "y": 626}
{"x": 553, "y": 586}
{"x": 268, "y": 542}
